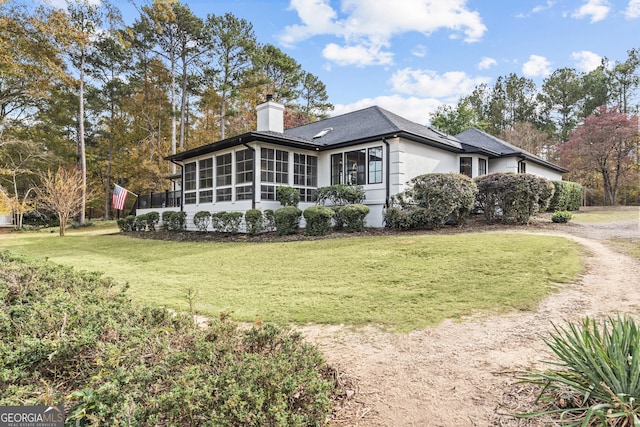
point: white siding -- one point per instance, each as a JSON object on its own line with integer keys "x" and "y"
{"x": 542, "y": 171}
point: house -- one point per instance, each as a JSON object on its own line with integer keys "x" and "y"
{"x": 6, "y": 220}
{"x": 371, "y": 147}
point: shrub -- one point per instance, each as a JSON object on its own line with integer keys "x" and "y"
{"x": 152, "y": 220}
{"x": 561, "y": 217}
{"x": 201, "y": 220}
{"x": 253, "y": 221}
{"x": 432, "y": 201}
{"x": 512, "y": 198}
{"x": 177, "y": 221}
{"x": 217, "y": 221}
{"x": 340, "y": 194}
{"x": 318, "y": 219}
{"x": 353, "y": 217}
{"x": 231, "y": 221}
{"x": 76, "y": 339}
{"x": 287, "y": 196}
{"x": 567, "y": 196}
{"x": 269, "y": 220}
{"x": 75, "y": 224}
{"x": 166, "y": 218}
{"x": 140, "y": 223}
{"x": 597, "y": 378}
{"x": 287, "y": 220}
{"x": 127, "y": 223}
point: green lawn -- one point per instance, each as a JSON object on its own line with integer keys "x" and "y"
{"x": 595, "y": 215}
{"x": 398, "y": 282}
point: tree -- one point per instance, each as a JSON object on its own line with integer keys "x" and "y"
{"x": 526, "y": 136}
{"x": 560, "y": 99}
{"x": 454, "y": 120}
{"x": 315, "y": 101}
{"x": 623, "y": 79}
{"x": 232, "y": 45}
{"x": 62, "y": 192}
{"x": 606, "y": 144}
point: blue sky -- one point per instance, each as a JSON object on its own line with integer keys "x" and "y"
{"x": 410, "y": 56}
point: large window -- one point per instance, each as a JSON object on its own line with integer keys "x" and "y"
{"x": 305, "y": 174}
{"x": 465, "y": 166}
{"x": 205, "y": 173}
{"x": 522, "y": 167}
{"x": 274, "y": 166}
{"x": 223, "y": 177}
{"x": 190, "y": 183}
{"x": 375, "y": 165}
{"x": 482, "y": 166}
{"x": 352, "y": 167}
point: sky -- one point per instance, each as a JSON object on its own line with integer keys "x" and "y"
{"x": 411, "y": 56}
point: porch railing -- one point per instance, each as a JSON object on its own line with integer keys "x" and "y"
{"x": 166, "y": 199}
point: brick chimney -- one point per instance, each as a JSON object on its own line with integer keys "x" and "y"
{"x": 270, "y": 116}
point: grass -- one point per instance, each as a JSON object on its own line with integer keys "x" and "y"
{"x": 629, "y": 213}
{"x": 399, "y": 282}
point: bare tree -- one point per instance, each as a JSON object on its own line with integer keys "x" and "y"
{"x": 62, "y": 193}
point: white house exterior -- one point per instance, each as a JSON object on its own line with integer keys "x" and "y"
{"x": 6, "y": 220}
{"x": 374, "y": 148}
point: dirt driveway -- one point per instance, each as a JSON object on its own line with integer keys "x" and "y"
{"x": 464, "y": 374}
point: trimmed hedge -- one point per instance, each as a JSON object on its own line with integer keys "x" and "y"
{"x": 567, "y": 196}
{"x": 287, "y": 196}
{"x": 287, "y": 220}
{"x": 340, "y": 194}
{"x": 561, "y": 217}
{"x": 318, "y": 219}
{"x": 512, "y": 198}
{"x": 432, "y": 201}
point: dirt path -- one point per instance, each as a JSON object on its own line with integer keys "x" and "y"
{"x": 463, "y": 374}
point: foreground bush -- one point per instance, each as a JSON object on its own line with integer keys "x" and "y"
{"x": 561, "y": 217}
{"x": 353, "y": 217}
{"x": 201, "y": 220}
{"x": 512, "y": 198}
{"x": 318, "y": 220}
{"x": 75, "y": 339}
{"x": 597, "y": 379}
{"x": 254, "y": 221}
{"x": 287, "y": 220}
{"x": 432, "y": 201}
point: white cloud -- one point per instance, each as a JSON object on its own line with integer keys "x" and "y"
{"x": 373, "y": 23}
{"x": 358, "y": 55}
{"x": 586, "y": 61}
{"x": 633, "y": 9}
{"x": 486, "y": 63}
{"x": 596, "y": 9}
{"x": 536, "y": 9}
{"x": 420, "y": 51}
{"x": 536, "y": 66}
{"x": 413, "y": 108}
{"x": 427, "y": 83}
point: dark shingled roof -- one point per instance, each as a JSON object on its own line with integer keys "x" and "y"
{"x": 369, "y": 124}
{"x": 475, "y": 140}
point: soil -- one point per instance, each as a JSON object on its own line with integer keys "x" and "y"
{"x": 466, "y": 373}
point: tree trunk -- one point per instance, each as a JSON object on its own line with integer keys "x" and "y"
{"x": 183, "y": 102}
{"x": 173, "y": 107}
{"x": 83, "y": 157}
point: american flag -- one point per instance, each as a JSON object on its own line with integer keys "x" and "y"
{"x": 119, "y": 197}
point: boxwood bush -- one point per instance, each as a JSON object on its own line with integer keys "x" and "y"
{"x": 177, "y": 221}
{"x": 269, "y": 220}
{"x": 287, "y": 196}
{"x": 432, "y": 201}
{"x": 127, "y": 223}
{"x": 153, "y": 218}
{"x": 287, "y": 220}
{"x": 76, "y": 339}
{"x": 318, "y": 220}
{"x": 201, "y": 220}
{"x": 353, "y": 217}
{"x": 166, "y": 218}
{"x": 254, "y": 221}
{"x": 561, "y": 217}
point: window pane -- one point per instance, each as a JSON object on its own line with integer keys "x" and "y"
{"x": 190, "y": 176}
{"x": 206, "y": 196}
{"x": 267, "y": 164}
{"x": 355, "y": 171}
{"x": 336, "y": 169}
{"x": 465, "y": 166}
{"x": 267, "y": 192}
{"x": 244, "y": 166}
{"x": 223, "y": 195}
{"x": 482, "y": 166}
{"x": 206, "y": 173}
{"x": 190, "y": 198}
{"x": 312, "y": 171}
{"x": 223, "y": 170}
{"x": 375, "y": 165}
{"x": 244, "y": 192}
